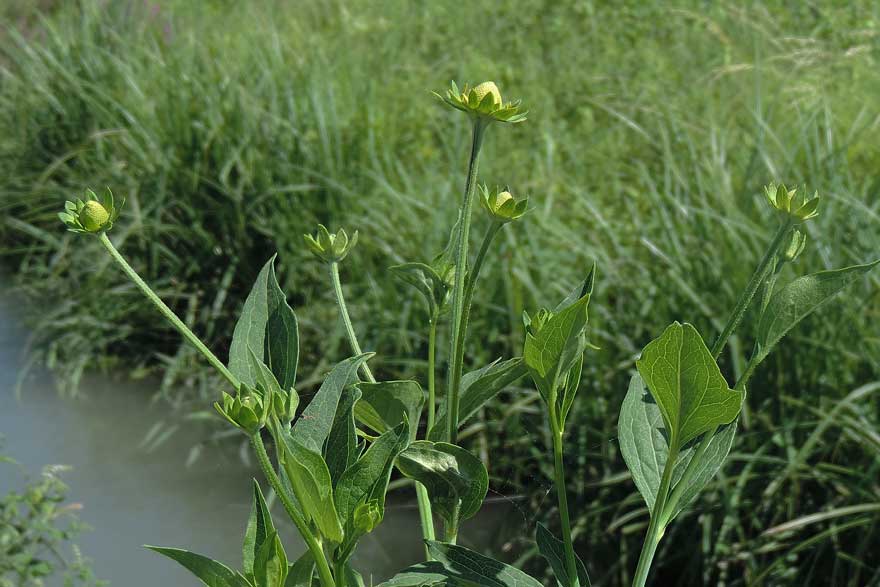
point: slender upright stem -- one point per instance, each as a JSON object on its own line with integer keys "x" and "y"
{"x": 657, "y": 525}
{"x": 470, "y": 286}
{"x": 458, "y": 291}
{"x": 748, "y": 293}
{"x": 425, "y": 513}
{"x": 346, "y": 320}
{"x": 311, "y": 542}
{"x": 562, "y": 497}
{"x": 167, "y": 312}
{"x": 432, "y": 378}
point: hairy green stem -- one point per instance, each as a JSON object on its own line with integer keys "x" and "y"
{"x": 562, "y": 496}
{"x": 657, "y": 526}
{"x": 311, "y": 542}
{"x": 425, "y": 513}
{"x": 167, "y": 312}
{"x": 458, "y": 291}
{"x": 346, "y": 320}
{"x": 754, "y": 283}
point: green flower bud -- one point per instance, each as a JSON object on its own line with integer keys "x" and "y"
{"x": 790, "y": 204}
{"x": 483, "y": 101}
{"x": 535, "y": 323}
{"x": 795, "y": 246}
{"x": 367, "y": 516}
{"x": 284, "y": 404}
{"x": 92, "y": 215}
{"x": 502, "y": 206}
{"x": 488, "y": 88}
{"x": 330, "y": 248}
{"x": 247, "y": 410}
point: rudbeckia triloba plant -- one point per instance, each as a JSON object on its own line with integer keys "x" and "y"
{"x": 332, "y": 459}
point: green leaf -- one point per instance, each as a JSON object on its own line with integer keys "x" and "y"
{"x": 209, "y": 571}
{"x": 313, "y": 426}
{"x": 553, "y": 349}
{"x": 310, "y": 477}
{"x": 553, "y": 550}
{"x": 263, "y": 376}
{"x": 301, "y": 572}
{"x": 800, "y": 298}
{"x": 250, "y": 330}
{"x": 282, "y": 335}
{"x": 451, "y": 474}
{"x": 687, "y": 384}
{"x": 457, "y": 566}
{"x": 386, "y": 404}
{"x": 367, "y": 480}
{"x": 477, "y": 388}
{"x": 270, "y": 565}
{"x": 585, "y": 288}
{"x": 572, "y": 382}
{"x": 342, "y": 444}
{"x": 645, "y": 448}
{"x": 268, "y": 327}
{"x": 259, "y": 528}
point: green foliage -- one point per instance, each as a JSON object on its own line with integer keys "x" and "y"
{"x": 687, "y": 385}
{"x": 553, "y": 549}
{"x": 458, "y": 566}
{"x": 456, "y": 480}
{"x": 38, "y": 530}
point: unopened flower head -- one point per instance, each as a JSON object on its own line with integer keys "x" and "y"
{"x": 796, "y": 206}
{"x": 501, "y": 205}
{"x": 483, "y": 101}
{"x": 248, "y": 410}
{"x": 330, "y": 248}
{"x": 91, "y": 214}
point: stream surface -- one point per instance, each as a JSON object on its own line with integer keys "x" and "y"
{"x": 131, "y": 496}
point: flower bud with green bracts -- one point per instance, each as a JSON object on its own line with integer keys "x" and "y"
{"x": 501, "y": 205}
{"x": 483, "y": 101}
{"x": 329, "y": 247}
{"x": 92, "y": 214}
{"x": 792, "y": 205}
{"x": 248, "y": 410}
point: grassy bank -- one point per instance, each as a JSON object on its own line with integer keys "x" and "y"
{"x": 235, "y": 128}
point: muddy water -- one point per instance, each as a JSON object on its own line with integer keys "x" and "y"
{"x": 131, "y": 496}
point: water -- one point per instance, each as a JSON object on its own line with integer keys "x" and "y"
{"x": 131, "y": 497}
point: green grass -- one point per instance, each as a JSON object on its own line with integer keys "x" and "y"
{"x": 234, "y": 129}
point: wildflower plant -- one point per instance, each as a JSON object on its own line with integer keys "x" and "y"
{"x": 333, "y": 458}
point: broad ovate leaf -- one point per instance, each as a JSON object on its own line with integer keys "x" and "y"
{"x": 800, "y": 298}
{"x": 644, "y": 444}
{"x": 386, "y": 404}
{"x": 259, "y": 528}
{"x": 342, "y": 447}
{"x": 308, "y": 474}
{"x": 553, "y": 550}
{"x": 477, "y": 388}
{"x": 209, "y": 571}
{"x": 366, "y": 482}
{"x": 268, "y": 327}
{"x": 457, "y": 566}
{"x": 314, "y": 425}
{"x": 452, "y": 475}
{"x": 687, "y": 384}
{"x": 301, "y": 572}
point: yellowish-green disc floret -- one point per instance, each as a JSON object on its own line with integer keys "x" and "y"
{"x": 488, "y": 88}
{"x": 93, "y": 216}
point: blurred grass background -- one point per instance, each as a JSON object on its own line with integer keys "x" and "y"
{"x": 234, "y": 127}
